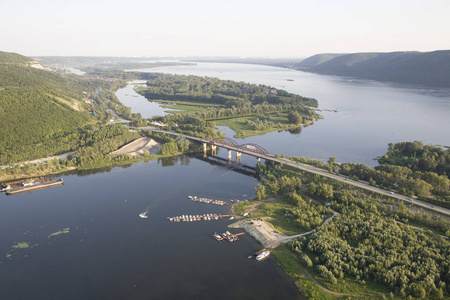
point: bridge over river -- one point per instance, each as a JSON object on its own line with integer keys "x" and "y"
{"x": 260, "y": 153}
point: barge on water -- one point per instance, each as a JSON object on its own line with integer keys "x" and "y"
{"x": 33, "y": 186}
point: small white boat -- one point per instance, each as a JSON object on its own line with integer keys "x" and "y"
{"x": 263, "y": 255}
{"x": 143, "y": 215}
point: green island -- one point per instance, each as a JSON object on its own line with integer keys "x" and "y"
{"x": 248, "y": 109}
{"x": 355, "y": 243}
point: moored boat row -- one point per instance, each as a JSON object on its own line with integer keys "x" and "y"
{"x": 208, "y": 201}
{"x": 194, "y": 218}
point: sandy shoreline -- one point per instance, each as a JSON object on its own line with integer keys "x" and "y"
{"x": 137, "y": 147}
{"x": 262, "y": 231}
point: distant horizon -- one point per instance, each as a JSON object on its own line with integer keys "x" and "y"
{"x": 235, "y": 28}
{"x": 226, "y": 57}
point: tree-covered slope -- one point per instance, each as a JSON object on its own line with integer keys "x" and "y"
{"x": 36, "y": 106}
{"x": 13, "y": 58}
{"x": 427, "y": 68}
{"x": 316, "y": 60}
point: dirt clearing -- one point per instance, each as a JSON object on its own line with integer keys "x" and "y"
{"x": 137, "y": 147}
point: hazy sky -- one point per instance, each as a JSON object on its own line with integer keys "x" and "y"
{"x": 277, "y": 28}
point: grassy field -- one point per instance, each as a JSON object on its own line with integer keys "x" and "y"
{"x": 239, "y": 124}
{"x": 179, "y": 107}
{"x": 278, "y": 219}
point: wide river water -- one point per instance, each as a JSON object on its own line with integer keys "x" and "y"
{"x": 371, "y": 114}
{"x": 85, "y": 240}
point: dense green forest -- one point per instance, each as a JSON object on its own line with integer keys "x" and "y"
{"x": 44, "y": 113}
{"x": 418, "y": 157}
{"x": 369, "y": 242}
{"x": 37, "y": 108}
{"x": 411, "y": 169}
{"x": 93, "y": 145}
{"x": 213, "y": 90}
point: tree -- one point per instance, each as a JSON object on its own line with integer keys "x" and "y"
{"x": 331, "y": 164}
{"x": 294, "y": 117}
{"x": 260, "y": 191}
{"x": 312, "y": 188}
{"x": 307, "y": 261}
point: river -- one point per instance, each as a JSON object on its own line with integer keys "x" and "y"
{"x": 371, "y": 114}
{"x": 108, "y": 252}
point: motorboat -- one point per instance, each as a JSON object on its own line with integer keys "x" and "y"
{"x": 263, "y": 255}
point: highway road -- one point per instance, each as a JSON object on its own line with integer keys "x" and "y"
{"x": 315, "y": 170}
{"x": 365, "y": 186}
{"x": 325, "y": 173}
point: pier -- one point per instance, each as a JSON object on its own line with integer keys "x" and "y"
{"x": 230, "y": 237}
{"x": 34, "y": 186}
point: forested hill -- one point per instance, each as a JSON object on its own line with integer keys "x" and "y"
{"x": 36, "y": 108}
{"x": 13, "y": 59}
{"x": 426, "y": 68}
{"x": 316, "y": 60}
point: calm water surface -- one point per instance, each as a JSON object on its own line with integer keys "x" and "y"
{"x": 112, "y": 253}
{"x": 138, "y": 103}
{"x": 371, "y": 114}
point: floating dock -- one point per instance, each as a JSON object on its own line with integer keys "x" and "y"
{"x": 195, "y": 218}
{"x": 231, "y": 237}
{"x": 33, "y": 186}
{"x": 208, "y": 201}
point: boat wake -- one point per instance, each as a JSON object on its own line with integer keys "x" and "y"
{"x": 143, "y": 215}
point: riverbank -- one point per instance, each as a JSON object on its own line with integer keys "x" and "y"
{"x": 112, "y": 164}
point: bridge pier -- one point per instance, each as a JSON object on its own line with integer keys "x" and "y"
{"x": 258, "y": 159}
{"x": 213, "y": 150}
{"x": 238, "y": 158}
{"x": 205, "y": 155}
